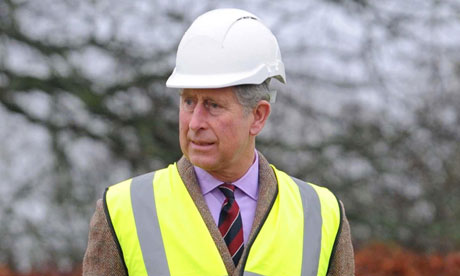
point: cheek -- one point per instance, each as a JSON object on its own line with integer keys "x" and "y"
{"x": 232, "y": 132}
{"x": 183, "y": 135}
{"x": 183, "y": 122}
{"x": 183, "y": 129}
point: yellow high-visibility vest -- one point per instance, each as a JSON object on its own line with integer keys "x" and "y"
{"x": 160, "y": 231}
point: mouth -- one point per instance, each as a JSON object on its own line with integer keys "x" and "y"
{"x": 201, "y": 144}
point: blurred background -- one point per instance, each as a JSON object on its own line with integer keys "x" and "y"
{"x": 371, "y": 110}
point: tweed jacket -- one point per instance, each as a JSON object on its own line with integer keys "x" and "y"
{"x": 103, "y": 258}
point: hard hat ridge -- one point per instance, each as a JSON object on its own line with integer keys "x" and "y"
{"x": 226, "y": 47}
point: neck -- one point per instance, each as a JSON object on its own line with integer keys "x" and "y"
{"x": 237, "y": 171}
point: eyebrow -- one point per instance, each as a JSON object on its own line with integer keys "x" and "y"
{"x": 219, "y": 100}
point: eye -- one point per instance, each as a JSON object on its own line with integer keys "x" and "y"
{"x": 188, "y": 103}
{"x": 212, "y": 106}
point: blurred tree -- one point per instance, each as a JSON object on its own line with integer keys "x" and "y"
{"x": 93, "y": 91}
{"x": 371, "y": 111}
{"x": 390, "y": 144}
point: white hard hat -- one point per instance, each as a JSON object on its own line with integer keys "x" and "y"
{"x": 226, "y": 47}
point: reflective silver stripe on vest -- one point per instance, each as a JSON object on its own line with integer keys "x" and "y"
{"x": 312, "y": 228}
{"x": 148, "y": 229}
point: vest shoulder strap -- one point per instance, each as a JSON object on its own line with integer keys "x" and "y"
{"x": 312, "y": 226}
{"x": 131, "y": 214}
{"x": 328, "y": 218}
{"x": 322, "y": 223}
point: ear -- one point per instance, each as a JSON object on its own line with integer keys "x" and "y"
{"x": 260, "y": 114}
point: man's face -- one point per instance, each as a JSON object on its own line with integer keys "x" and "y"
{"x": 214, "y": 129}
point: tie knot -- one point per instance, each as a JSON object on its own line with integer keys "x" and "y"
{"x": 227, "y": 189}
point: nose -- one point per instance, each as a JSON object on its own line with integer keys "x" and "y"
{"x": 198, "y": 119}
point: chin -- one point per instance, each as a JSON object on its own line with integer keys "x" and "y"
{"x": 202, "y": 162}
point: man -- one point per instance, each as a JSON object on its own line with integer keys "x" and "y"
{"x": 221, "y": 209}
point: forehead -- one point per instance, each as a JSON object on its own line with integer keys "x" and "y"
{"x": 226, "y": 93}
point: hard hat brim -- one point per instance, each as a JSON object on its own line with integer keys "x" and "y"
{"x": 178, "y": 80}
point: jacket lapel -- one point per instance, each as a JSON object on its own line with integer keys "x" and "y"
{"x": 188, "y": 176}
{"x": 268, "y": 189}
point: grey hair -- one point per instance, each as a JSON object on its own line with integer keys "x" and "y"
{"x": 249, "y": 95}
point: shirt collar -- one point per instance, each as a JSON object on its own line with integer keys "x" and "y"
{"x": 248, "y": 183}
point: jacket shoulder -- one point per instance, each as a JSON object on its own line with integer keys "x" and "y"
{"x": 101, "y": 256}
